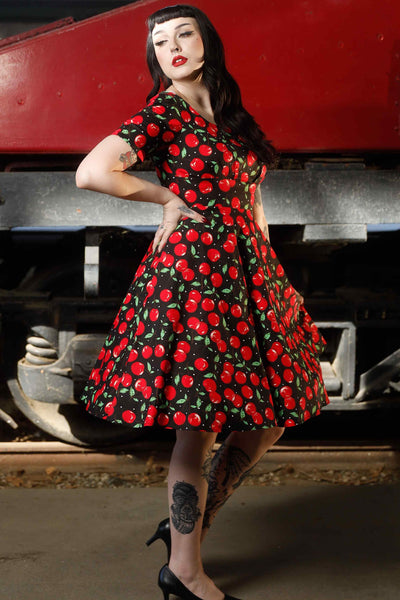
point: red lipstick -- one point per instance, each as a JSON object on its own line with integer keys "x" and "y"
{"x": 177, "y": 61}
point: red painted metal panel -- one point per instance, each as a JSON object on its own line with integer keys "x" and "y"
{"x": 319, "y": 75}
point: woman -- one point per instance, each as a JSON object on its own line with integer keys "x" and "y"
{"x": 211, "y": 336}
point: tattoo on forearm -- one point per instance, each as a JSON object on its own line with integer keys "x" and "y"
{"x": 185, "y": 508}
{"x": 206, "y": 466}
{"x": 128, "y": 159}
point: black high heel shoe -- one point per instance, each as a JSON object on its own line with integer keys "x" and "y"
{"x": 163, "y": 532}
{"x": 170, "y": 584}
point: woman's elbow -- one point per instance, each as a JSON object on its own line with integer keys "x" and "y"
{"x": 82, "y": 177}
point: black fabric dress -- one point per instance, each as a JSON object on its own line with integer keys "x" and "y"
{"x": 210, "y": 335}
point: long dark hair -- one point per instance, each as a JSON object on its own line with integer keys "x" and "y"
{"x": 225, "y": 96}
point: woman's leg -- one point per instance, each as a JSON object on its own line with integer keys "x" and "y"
{"x": 233, "y": 461}
{"x": 187, "y": 494}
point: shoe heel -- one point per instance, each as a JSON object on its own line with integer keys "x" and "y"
{"x": 165, "y": 594}
{"x": 153, "y": 539}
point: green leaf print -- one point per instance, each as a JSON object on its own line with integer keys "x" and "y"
{"x": 182, "y": 401}
{"x": 227, "y": 290}
{"x": 123, "y": 390}
{"x": 224, "y": 268}
{"x": 176, "y": 379}
{"x": 314, "y": 408}
{"x": 183, "y": 153}
{"x": 208, "y": 407}
{"x": 143, "y": 407}
{"x": 216, "y": 168}
{"x": 242, "y": 414}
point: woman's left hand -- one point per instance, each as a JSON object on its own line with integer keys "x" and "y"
{"x": 299, "y": 297}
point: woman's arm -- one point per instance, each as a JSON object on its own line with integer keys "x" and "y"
{"x": 102, "y": 170}
{"x": 258, "y": 213}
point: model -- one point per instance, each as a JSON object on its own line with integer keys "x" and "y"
{"x": 211, "y": 337}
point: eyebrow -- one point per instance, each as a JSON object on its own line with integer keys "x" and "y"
{"x": 177, "y": 27}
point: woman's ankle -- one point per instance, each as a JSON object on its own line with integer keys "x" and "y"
{"x": 185, "y": 570}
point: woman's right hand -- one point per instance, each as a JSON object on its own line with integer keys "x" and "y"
{"x": 174, "y": 210}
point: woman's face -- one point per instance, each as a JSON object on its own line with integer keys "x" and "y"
{"x": 179, "y": 48}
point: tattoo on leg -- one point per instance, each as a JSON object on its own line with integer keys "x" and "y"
{"x": 206, "y": 466}
{"x": 228, "y": 469}
{"x": 184, "y": 510}
{"x": 128, "y": 159}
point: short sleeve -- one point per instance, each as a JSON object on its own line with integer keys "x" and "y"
{"x": 147, "y": 131}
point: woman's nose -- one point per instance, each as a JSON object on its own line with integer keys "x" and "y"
{"x": 174, "y": 46}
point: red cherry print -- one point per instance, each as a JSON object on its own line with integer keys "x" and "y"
{"x": 166, "y": 295}
{"x": 174, "y": 188}
{"x": 272, "y": 355}
{"x": 162, "y": 419}
{"x": 192, "y": 235}
{"x": 242, "y": 327}
{"x": 220, "y": 416}
{"x": 290, "y": 403}
{"x": 179, "y": 418}
{"x": 167, "y": 137}
{"x": 200, "y": 121}
{"x": 205, "y": 187}
{"x": 257, "y": 418}
{"x": 175, "y": 125}
{"x": 250, "y": 408}
{"x": 269, "y": 414}
{"x": 205, "y": 150}
{"x": 153, "y": 130}
{"x": 180, "y": 249}
{"x": 228, "y": 156}
{"x": 289, "y": 423}
{"x": 158, "y": 109}
{"x": 137, "y": 368}
{"x": 181, "y": 173}
{"x": 181, "y": 264}
{"x": 288, "y": 375}
{"x": 194, "y": 419}
{"x": 224, "y": 185}
{"x": 186, "y": 116}
{"x": 140, "y": 141}
{"x": 190, "y": 195}
{"x": 126, "y": 380}
{"x": 174, "y": 150}
{"x": 109, "y": 409}
{"x": 309, "y": 392}
{"x": 188, "y": 274}
{"x": 197, "y": 164}
{"x": 213, "y": 254}
{"x": 128, "y": 416}
{"x": 279, "y": 271}
{"x": 192, "y": 140}
{"x": 216, "y": 425}
{"x": 215, "y": 398}
{"x": 247, "y": 391}
{"x": 286, "y": 360}
{"x": 251, "y": 158}
{"x": 201, "y": 364}
{"x": 187, "y": 381}
{"x": 122, "y": 328}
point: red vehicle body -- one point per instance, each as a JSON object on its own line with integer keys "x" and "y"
{"x": 323, "y": 81}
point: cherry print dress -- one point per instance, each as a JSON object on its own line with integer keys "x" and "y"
{"x": 210, "y": 335}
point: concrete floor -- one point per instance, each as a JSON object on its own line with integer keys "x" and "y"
{"x": 309, "y": 541}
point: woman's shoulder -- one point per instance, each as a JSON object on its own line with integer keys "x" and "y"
{"x": 163, "y": 98}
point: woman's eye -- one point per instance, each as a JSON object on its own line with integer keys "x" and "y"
{"x": 160, "y": 43}
{"x": 185, "y": 33}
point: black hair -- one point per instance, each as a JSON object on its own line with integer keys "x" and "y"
{"x": 224, "y": 91}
